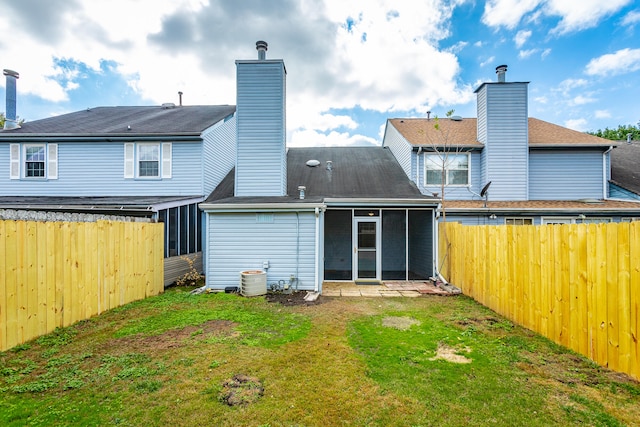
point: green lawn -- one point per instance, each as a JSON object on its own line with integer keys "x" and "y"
{"x": 429, "y": 361}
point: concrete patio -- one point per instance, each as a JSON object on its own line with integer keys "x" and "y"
{"x": 393, "y": 288}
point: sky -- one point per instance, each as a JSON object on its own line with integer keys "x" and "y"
{"x": 350, "y": 64}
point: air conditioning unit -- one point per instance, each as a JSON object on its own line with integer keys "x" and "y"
{"x": 253, "y": 283}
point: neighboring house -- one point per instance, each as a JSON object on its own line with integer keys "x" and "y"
{"x": 157, "y": 162}
{"x": 308, "y": 215}
{"x": 625, "y": 171}
{"x": 504, "y": 167}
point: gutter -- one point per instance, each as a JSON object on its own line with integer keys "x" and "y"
{"x": 381, "y": 202}
{"x": 18, "y": 137}
{"x": 253, "y": 207}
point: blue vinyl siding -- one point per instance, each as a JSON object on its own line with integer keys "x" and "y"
{"x": 97, "y": 169}
{"x": 565, "y": 174}
{"x": 238, "y": 242}
{"x": 401, "y": 150}
{"x": 218, "y": 153}
{"x": 503, "y": 128}
{"x": 261, "y": 150}
{"x": 617, "y": 192}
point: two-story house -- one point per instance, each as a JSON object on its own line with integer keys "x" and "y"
{"x": 308, "y": 215}
{"x": 155, "y": 161}
{"x": 505, "y": 167}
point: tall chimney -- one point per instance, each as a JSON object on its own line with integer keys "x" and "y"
{"x": 10, "y": 115}
{"x": 180, "y": 97}
{"x": 501, "y": 70}
{"x": 261, "y": 46}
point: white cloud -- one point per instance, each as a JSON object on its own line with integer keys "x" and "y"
{"x": 489, "y": 60}
{"x": 631, "y": 18}
{"x": 578, "y": 15}
{"x": 507, "y": 13}
{"x": 602, "y": 114}
{"x": 581, "y": 100}
{"x": 521, "y": 38}
{"x": 621, "y": 62}
{"x": 576, "y": 124}
{"x": 545, "y": 53}
{"x": 312, "y": 138}
{"x": 526, "y": 53}
{"x": 541, "y": 99}
{"x": 574, "y": 15}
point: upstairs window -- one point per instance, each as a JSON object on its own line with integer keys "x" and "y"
{"x": 147, "y": 160}
{"x": 34, "y": 161}
{"x": 453, "y": 168}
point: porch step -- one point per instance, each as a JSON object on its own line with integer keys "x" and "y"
{"x": 368, "y": 282}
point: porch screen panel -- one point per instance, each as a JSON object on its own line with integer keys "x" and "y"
{"x": 338, "y": 250}
{"x": 394, "y": 249}
{"x": 420, "y": 244}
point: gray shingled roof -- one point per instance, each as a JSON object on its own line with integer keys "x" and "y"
{"x": 625, "y": 166}
{"x": 112, "y": 121}
{"x": 357, "y": 172}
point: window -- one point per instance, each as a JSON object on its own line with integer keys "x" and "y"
{"x": 557, "y": 220}
{"x": 147, "y": 160}
{"x": 33, "y": 161}
{"x": 518, "y": 221}
{"x": 595, "y": 220}
{"x": 454, "y": 166}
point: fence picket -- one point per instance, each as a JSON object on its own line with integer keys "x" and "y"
{"x": 578, "y": 285}
{"x": 54, "y": 273}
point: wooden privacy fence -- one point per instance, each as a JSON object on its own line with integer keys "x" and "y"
{"x": 57, "y": 273}
{"x": 578, "y": 284}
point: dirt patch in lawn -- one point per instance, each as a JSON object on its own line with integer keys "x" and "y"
{"x": 175, "y": 337}
{"x": 241, "y": 390}
{"x": 292, "y": 299}
{"x": 451, "y": 354}
{"x": 401, "y": 323}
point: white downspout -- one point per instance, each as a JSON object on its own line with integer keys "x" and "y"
{"x": 418, "y": 168}
{"x": 316, "y": 285}
{"x": 604, "y": 173}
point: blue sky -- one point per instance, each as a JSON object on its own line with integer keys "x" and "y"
{"x": 351, "y": 64}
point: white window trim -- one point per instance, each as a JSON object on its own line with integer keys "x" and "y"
{"x": 519, "y": 218}
{"x": 18, "y": 158}
{"x": 132, "y": 160}
{"x": 442, "y": 157}
{"x": 589, "y": 220}
{"x": 551, "y": 220}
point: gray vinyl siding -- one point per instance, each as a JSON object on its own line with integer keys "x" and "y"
{"x": 565, "y": 175}
{"x": 97, "y": 169}
{"x": 261, "y": 127}
{"x": 401, "y": 150}
{"x": 503, "y": 111}
{"x": 218, "y": 153}
{"x": 238, "y": 242}
{"x": 454, "y": 192}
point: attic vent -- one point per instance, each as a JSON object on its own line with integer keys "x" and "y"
{"x": 168, "y": 105}
{"x": 456, "y": 118}
{"x": 313, "y": 163}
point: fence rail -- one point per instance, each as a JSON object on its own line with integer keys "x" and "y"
{"x": 53, "y": 274}
{"x": 577, "y": 284}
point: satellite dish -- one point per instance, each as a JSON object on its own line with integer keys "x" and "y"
{"x": 485, "y": 189}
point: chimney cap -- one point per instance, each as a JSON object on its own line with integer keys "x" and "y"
{"x": 261, "y": 45}
{"x": 12, "y": 73}
{"x": 501, "y": 68}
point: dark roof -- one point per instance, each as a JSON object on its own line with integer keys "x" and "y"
{"x": 111, "y": 121}
{"x": 625, "y": 166}
{"x": 123, "y": 205}
{"x": 357, "y": 172}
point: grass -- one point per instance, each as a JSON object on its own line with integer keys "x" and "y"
{"x": 168, "y": 360}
